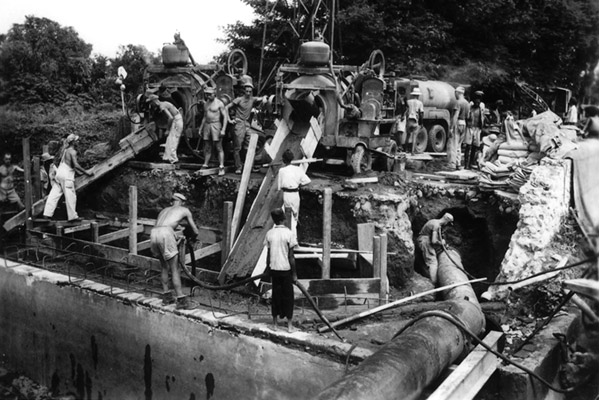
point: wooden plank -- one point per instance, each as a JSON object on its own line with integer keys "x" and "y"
{"x": 123, "y": 233}
{"x": 384, "y": 288}
{"x": 144, "y": 245}
{"x": 214, "y": 171}
{"x": 351, "y": 286}
{"x": 83, "y": 227}
{"x": 204, "y": 252}
{"x": 151, "y": 165}
{"x": 247, "y": 247}
{"x": 282, "y": 131}
{"x": 95, "y": 228}
{"x": 370, "y": 179}
{"x": 586, "y": 287}
{"x": 428, "y": 176}
{"x": 365, "y": 238}
{"x": 133, "y": 219}
{"x": 37, "y": 179}
{"x": 28, "y": 187}
{"x": 327, "y": 212}
{"x": 243, "y": 185}
{"x": 139, "y": 141}
{"x": 472, "y": 373}
{"x": 319, "y": 256}
{"x": 227, "y": 218}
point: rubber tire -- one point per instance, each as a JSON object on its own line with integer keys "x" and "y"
{"x": 420, "y": 141}
{"x": 437, "y": 139}
{"x": 360, "y": 159}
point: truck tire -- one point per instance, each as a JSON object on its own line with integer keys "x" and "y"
{"x": 437, "y": 138}
{"x": 420, "y": 141}
{"x": 360, "y": 159}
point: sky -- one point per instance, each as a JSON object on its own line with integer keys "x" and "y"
{"x": 106, "y": 24}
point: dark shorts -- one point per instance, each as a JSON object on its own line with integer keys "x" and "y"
{"x": 282, "y": 294}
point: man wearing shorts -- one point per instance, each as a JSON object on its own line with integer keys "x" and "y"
{"x": 164, "y": 246}
{"x": 7, "y": 182}
{"x": 212, "y": 130}
{"x": 472, "y": 140}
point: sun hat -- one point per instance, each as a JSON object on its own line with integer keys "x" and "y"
{"x": 179, "y": 196}
{"x": 416, "y": 92}
{"x": 46, "y": 156}
{"x": 460, "y": 89}
{"x": 72, "y": 138}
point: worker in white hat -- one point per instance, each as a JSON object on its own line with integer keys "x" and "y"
{"x": 414, "y": 114}
{"x": 457, "y": 130}
{"x": 213, "y": 128}
{"x": 65, "y": 179}
{"x": 164, "y": 246}
{"x": 430, "y": 241}
{"x": 242, "y": 107}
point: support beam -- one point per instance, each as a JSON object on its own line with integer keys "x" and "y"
{"x": 123, "y": 233}
{"x": 95, "y": 228}
{"x": 141, "y": 246}
{"x": 384, "y": 293}
{"x": 243, "y": 185}
{"x": 376, "y": 256}
{"x": 133, "y": 219}
{"x": 327, "y": 219}
{"x": 36, "y": 179}
{"x": 28, "y": 187}
{"x": 204, "y": 252}
{"x": 472, "y": 373}
{"x": 227, "y": 240}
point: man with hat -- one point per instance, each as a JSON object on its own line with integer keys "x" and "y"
{"x": 430, "y": 241}
{"x": 174, "y": 125}
{"x": 291, "y": 178}
{"x": 212, "y": 130}
{"x": 414, "y": 114}
{"x": 457, "y": 129}
{"x": 7, "y": 184}
{"x": 242, "y": 107}
{"x": 65, "y": 179}
{"x": 164, "y": 246}
{"x": 47, "y": 172}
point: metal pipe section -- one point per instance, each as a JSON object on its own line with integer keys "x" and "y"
{"x": 402, "y": 368}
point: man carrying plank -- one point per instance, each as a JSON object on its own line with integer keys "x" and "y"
{"x": 164, "y": 246}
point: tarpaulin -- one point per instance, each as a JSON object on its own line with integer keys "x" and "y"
{"x": 585, "y": 181}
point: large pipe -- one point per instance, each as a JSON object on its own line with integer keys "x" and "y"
{"x": 402, "y": 368}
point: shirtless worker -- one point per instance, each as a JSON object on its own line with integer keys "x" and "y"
{"x": 457, "y": 129}
{"x": 212, "y": 130}
{"x": 280, "y": 262}
{"x": 7, "y": 182}
{"x": 65, "y": 180}
{"x": 429, "y": 240}
{"x": 414, "y": 114}
{"x": 291, "y": 178}
{"x": 163, "y": 244}
{"x": 242, "y": 107}
{"x": 174, "y": 126}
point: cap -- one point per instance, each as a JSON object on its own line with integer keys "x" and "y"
{"x": 416, "y": 92}
{"x": 479, "y": 93}
{"x": 179, "y": 196}
{"x": 72, "y": 138}
{"x": 46, "y": 156}
{"x": 448, "y": 217}
{"x": 460, "y": 89}
{"x": 489, "y": 139}
{"x": 209, "y": 89}
{"x": 248, "y": 84}
{"x": 151, "y": 97}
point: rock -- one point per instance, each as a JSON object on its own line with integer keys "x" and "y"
{"x": 367, "y": 206}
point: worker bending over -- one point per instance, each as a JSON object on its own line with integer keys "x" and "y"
{"x": 430, "y": 240}
{"x": 280, "y": 262}
{"x": 291, "y": 177}
{"x": 174, "y": 126}
{"x": 164, "y": 246}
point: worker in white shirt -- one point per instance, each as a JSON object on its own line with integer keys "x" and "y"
{"x": 291, "y": 178}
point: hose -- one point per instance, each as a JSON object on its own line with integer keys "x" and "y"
{"x": 250, "y": 279}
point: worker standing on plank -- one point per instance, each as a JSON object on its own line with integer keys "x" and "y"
{"x": 430, "y": 240}
{"x": 65, "y": 180}
{"x": 243, "y": 108}
{"x": 212, "y": 130}
{"x": 174, "y": 126}
{"x": 7, "y": 182}
{"x": 164, "y": 246}
{"x": 280, "y": 263}
{"x": 291, "y": 178}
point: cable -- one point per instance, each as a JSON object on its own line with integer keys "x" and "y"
{"x": 452, "y": 319}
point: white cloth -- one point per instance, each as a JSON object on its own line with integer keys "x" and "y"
{"x": 292, "y": 177}
{"x": 572, "y": 115}
{"x": 280, "y": 240}
{"x": 172, "y": 141}
{"x": 415, "y": 106}
{"x": 65, "y": 179}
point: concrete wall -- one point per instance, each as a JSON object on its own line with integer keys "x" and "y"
{"x": 96, "y": 346}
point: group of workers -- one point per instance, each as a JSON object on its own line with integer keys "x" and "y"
{"x": 213, "y": 126}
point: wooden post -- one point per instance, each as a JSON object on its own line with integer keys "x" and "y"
{"x": 36, "y": 179}
{"x": 384, "y": 291}
{"x": 133, "y": 219}
{"x": 28, "y": 187}
{"x": 327, "y": 218}
{"x": 95, "y": 229}
{"x": 376, "y": 257}
{"x": 227, "y": 218}
{"x": 243, "y": 185}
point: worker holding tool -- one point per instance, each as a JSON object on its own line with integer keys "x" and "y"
{"x": 164, "y": 246}
{"x": 291, "y": 178}
{"x": 280, "y": 262}
{"x": 243, "y": 108}
{"x": 212, "y": 130}
{"x": 429, "y": 240}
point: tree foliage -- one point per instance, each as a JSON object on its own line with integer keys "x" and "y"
{"x": 484, "y": 43}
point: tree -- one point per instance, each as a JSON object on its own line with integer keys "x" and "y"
{"x": 41, "y": 60}
{"x": 135, "y": 59}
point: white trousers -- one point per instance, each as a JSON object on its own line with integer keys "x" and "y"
{"x": 172, "y": 141}
{"x": 65, "y": 178}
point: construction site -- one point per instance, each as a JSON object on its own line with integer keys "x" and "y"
{"x": 511, "y": 311}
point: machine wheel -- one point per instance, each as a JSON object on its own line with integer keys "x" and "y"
{"x": 237, "y": 63}
{"x": 376, "y": 62}
{"x": 437, "y": 138}
{"x": 420, "y": 141}
{"x": 360, "y": 159}
{"x": 389, "y": 162}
